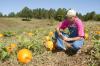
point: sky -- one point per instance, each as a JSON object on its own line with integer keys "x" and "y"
{"x": 82, "y": 6}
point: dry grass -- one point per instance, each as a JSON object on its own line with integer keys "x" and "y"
{"x": 17, "y": 24}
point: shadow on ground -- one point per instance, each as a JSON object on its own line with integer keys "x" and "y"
{"x": 69, "y": 52}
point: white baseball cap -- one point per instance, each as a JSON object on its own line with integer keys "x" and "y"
{"x": 71, "y": 13}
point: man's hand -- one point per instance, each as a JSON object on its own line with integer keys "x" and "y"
{"x": 67, "y": 44}
{"x": 59, "y": 33}
{"x": 63, "y": 37}
{"x": 72, "y": 39}
{"x": 66, "y": 38}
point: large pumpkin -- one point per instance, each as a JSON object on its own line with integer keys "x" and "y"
{"x": 24, "y": 56}
{"x": 49, "y": 45}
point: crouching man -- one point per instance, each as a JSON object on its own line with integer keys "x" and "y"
{"x": 75, "y": 39}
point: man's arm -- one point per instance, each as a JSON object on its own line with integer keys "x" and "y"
{"x": 66, "y": 38}
{"x": 58, "y": 29}
{"x": 71, "y": 39}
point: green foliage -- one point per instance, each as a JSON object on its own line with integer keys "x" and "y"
{"x": 60, "y": 14}
{"x": 1, "y": 14}
{"x": 26, "y": 13}
{"x": 39, "y": 13}
{"x": 80, "y": 16}
{"x": 8, "y": 34}
{"x": 4, "y": 15}
{"x": 51, "y": 13}
{"x": 90, "y": 16}
{"x": 12, "y": 14}
{"x": 97, "y": 49}
{"x": 42, "y": 13}
{"x": 4, "y": 55}
{"x": 96, "y": 37}
{"x": 33, "y": 43}
{"x": 97, "y": 17}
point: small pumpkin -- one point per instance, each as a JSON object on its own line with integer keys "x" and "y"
{"x": 97, "y": 32}
{"x": 30, "y": 33}
{"x": 47, "y": 38}
{"x": 49, "y": 45}
{"x": 13, "y": 46}
{"x": 1, "y": 35}
{"x": 51, "y": 33}
{"x": 24, "y": 56}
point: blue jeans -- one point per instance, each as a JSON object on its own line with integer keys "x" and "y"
{"x": 76, "y": 45}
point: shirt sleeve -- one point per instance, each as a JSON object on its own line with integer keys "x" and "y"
{"x": 80, "y": 27}
{"x": 63, "y": 25}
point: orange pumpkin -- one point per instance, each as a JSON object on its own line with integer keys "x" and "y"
{"x": 24, "y": 56}
{"x": 97, "y": 32}
{"x": 51, "y": 33}
{"x": 47, "y": 38}
{"x": 49, "y": 45}
{"x": 1, "y": 35}
{"x": 30, "y": 34}
{"x": 13, "y": 46}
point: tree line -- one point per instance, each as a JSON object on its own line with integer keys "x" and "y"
{"x": 42, "y": 13}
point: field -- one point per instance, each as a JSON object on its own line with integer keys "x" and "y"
{"x": 30, "y": 35}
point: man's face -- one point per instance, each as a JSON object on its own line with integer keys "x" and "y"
{"x": 71, "y": 19}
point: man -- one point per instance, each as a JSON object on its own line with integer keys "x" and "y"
{"x": 75, "y": 39}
